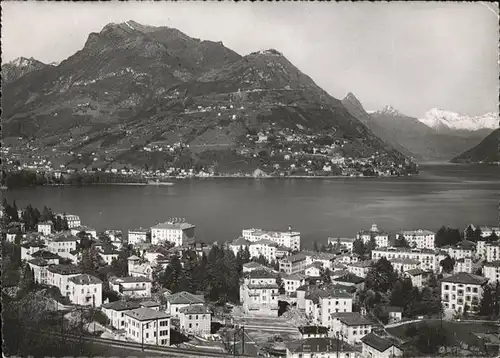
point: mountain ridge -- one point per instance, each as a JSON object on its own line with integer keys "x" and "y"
{"x": 488, "y": 151}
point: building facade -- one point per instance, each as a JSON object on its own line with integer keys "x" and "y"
{"x": 85, "y": 290}
{"x": 259, "y": 294}
{"x": 420, "y": 239}
{"x": 195, "y": 320}
{"x": 137, "y": 235}
{"x": 177, "y": 233}
{"x": 290, "y": 239}
{"x": 491, "y": 270}
{"x": 293, "y": 264}
{"x": 148, "y": 326}
{"x": 460, "y": 290}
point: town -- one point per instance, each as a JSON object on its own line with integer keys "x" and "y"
{"x": 375, "y": 295}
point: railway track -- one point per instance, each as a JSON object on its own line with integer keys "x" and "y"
{"x": 183, "y": 352}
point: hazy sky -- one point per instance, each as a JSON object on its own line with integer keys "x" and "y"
{"x": 413, "y": 56}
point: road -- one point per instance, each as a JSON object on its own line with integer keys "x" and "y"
{"x": 169, "y": 351}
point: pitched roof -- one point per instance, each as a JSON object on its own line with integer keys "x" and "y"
{"x": 261, "y": 273}
{"x": 351, "y": 278}
{"x": 465, "y": 278}
{"x": 195, "y": 309}
{"x": 134, "y": 258}
{"x": 38, "y": 262}
{"x": 319, "y": 345}
{"x": 121, "y": 305}
{"x": 185, "y": 298}
{"x": 253, "y": 264}
{"x": 143, "y": 314}
{"x": 492, "y": 264}
{"x": 379, "y": 343}
{"x": 116, "y": 280}
{"x": 85, "y": 279}
{"x": 265, "y": 242}
{"x": 415, "y": 272}
{"x": 149, "y": 303}
{"x": 47, "y": 255}
{"x": 352, "y": 318}
{"x": 175, "y": 225}
{"x": 297, "y": 257}
{"x": 240, "y": 242}
{"x": 394, "y": 309}
{"x": 65, "y": 269}
{"x": 295, "y": 277}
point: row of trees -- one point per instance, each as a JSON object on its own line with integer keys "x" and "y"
{"x": 31, "y": 216}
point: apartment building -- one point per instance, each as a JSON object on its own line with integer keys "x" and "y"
{"x": 457, "y": 252}
{"x": 491, "y": 270}
{"x": 252, "y": 266}
{"x": 381, "y": 237}
{"x": 264, "y": 247}
{"x": 462, "y": 289}
{"x": 420, "y": 239}
{"x": 360, "y": 268}
{"x": 45, "y": 227}
{"x": 177, "y": 301}
{"x": 488, "y": 231}
{"x": 62, "y": 245}
{"x": 429, "y": 259}
{"x": 39, "y": 268}
{"x": 463, "y": 265}
{"x": 259, "y": 293}
{"x": 137, "y": 235}
{"x": 131, "y": 286}
{"x": 326, "y": 259}
{"x": 313, "y": 332}
{"x": 321, "y": 303}
{"x": 29, "y": 248}
{"x": 416, "y": 276}
{"x": 403, "y": 264}
{"x": 109, "y": 254}
{"x": 115, "y": 311}
{"x": 351, "y": 326}
{"x": 195, "y": 320}
{"x": 345, "y": 242}
{"x": 59, "y": 275}
{"x": 239, "y": 244}
{"x": 148, "y": 326}
{"x": 73, "y": 220}
{"x": 138, "y": 267}
{"x": 493, "y": 251}
{"x": 292, "y": 282}
{"x": 85, "y": 290}
{"x": 290, "y": 239}
{"x": 86, "y": 229}
{"x": 293, "y": 264}
{"x": 175, "y": 232}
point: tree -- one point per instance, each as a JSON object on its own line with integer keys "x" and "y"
{"x": 486, "y": 305}
{"x": 469, "y": 233}
{"x": 430, "y": 338}
{"x": 401, "y": 242}
{"x": 493, "y": 237}
{"x": 447, "y": 236}
{"x": 478, "y": 235}
{"x": 401, "y": 292}
{"x": 326, "y": 275}
{"x": 371, "y": 245}
{"x": 173, "y": 275}
{"x": 90, "y": 261}
{"x": 315, "y": 247}
{"x": 358, "y": 247}
{"x": 27, "y": 282}
{"x": 381, "y": 276}
{"x": 447, "y": 264}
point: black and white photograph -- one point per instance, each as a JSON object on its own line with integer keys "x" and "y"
{"x": 250, "y": 179}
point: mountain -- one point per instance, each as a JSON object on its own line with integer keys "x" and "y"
{"x": 355, "y": 108}
{"x": 145, "y": 96}
{"x": 488, "y": 151}
{"x": 21, "y": 66}
{"x": 424, "y": 142}
{"x": 446, "y": 120}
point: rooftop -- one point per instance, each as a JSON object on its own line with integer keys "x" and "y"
{"x": 85, "y": 279}
{"x": 261, "y": 273}
{"x": 275, "y": 233}
{"x": 185, "y": 298}
{"x": 394, "y": 309}
{"x": 295, "y": 277}
{"x": 121, "y": 305}
{"x": 117, "y": 280}
{"x": 416, "y": 232}
{"x": 295, "y": 258}
{"x": 254, "y": 265}
{"x": 351, "y": 278}
{"x": 352, "y": 318}
{"x": 64, "y": 237}
{"x": 405, "y": 261}
{"x": 65, "y": 269}
{"x": 240, "y": 242}
{"x": 379, "y": 343}
{"x": 149, "y": 303}
{"x": 313, "y": 330}
{"x": 195, "y": 309}
{"x": 141, "y": 230}
{"x": 363, "y": 264}
{"x": 492, "y": 264}
{"x": 44, "y": 254}
{"x": 415, "y": 272}
{"x": 144, "y": 314}
{"x": 38, "y": 262}
{"x": 466, "y": 278}
{"x": 319, "y": 345}
{"x": 173, "y": 226}
{"x": 265, "y": 242}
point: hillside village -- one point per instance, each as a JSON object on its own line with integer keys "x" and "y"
{"x": 371, "y": 295}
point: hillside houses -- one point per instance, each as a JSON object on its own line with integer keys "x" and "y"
{"x": 259, "y": 293}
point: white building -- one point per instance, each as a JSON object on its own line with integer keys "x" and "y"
{"x": 420, "y": 239}
{"x": 195, "y": 320}
{"x": 374, "y": 346}
{"x": 463, "y": 265}
{"x": 148, "y": 326}
{"x": 252, "y": 266}
{"x": 85, "y": 290}
{"x": 488, "y": 231}
{"x": 461, "y": 289}
{"x": 178, "y": 233}
{"x": 352, "y": 326}
{"x": 416, "y": 277}
{"x": 138, "y": 267}
{"x": 62, "y": 245}
{"x": 346, "y": 242}
{"x": 320, "y": 347}
{"x": 177, "y": 301}
{"x": 493, "y": 251}
{"x": 39, "y": 268}
{"x": 491, "y": 270}
{"x": 264, "y": 247}
{"x": 456, "y": 252}
{"x": 59, "y": 275}
{"x": 259, "y": 294}
{"x": 293, "y": 264}
{"x": 313, "y": 332}
{"x": 115, "y": 311}
{"x": 131, "y": 286}
{"x": 29, "y": 249}
{"x": 321, "y": 303}
{"x": 429, "y": 259}
{"x": 292, "y": 282}
{"x": 137, "y": 235}
{"x": 73, "y": 220}
{"x": 45, "y": 227}
{"x": 288, "y": 238}
{"x": 238, "y": 244}
{"x": 360, "y": 268}
{"x": 88, "y": 230}
{"x": 108, "y": 255}
{"x": 402, "y": 265}
{"x": 381, "y": 238}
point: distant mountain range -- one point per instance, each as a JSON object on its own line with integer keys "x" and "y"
{"x": 446, "y": 120}
{"x": 133, "y": 86}
{"x": 19, "y": 67}
{"x": 415, "y": 138}
{"x": 488, "y": 151}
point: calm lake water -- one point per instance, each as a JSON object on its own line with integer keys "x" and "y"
{"x": 452, "y": 195}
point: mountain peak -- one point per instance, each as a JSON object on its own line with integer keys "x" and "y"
{"x": 442, "y": 119}
{"x": 268, "y": 52}
{"x": 390, "y": 110}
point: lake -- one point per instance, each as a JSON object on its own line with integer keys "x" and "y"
{"x": 446, "y": 194}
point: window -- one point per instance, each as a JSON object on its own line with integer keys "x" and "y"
{"x": 190, "y": 325}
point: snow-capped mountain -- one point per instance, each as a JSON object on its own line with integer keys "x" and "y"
{"x": 439, "y": 119}
{"x": 20, "y": 67}
{"x": 388, "y": 111}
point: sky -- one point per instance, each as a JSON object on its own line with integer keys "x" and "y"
{"x": 413, "y": 56}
